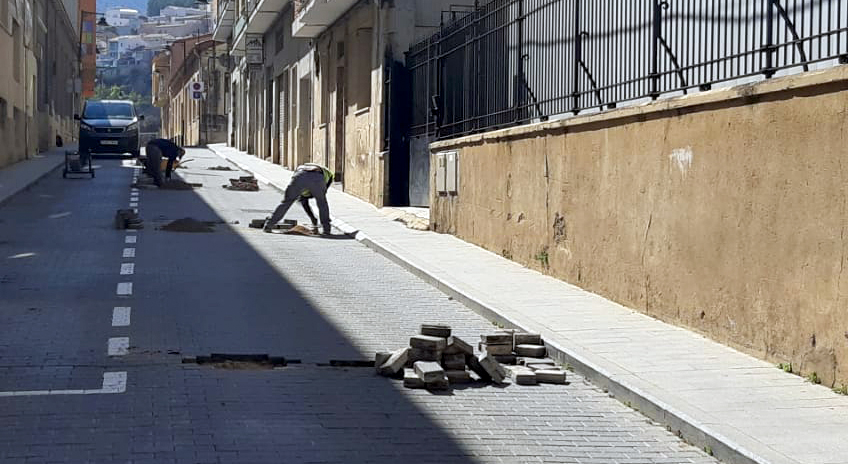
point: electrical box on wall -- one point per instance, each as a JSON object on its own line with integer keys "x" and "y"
{"x": 447, "y": 172}
{"x": 451, "y": 172}
{"x": 441, "y": 173}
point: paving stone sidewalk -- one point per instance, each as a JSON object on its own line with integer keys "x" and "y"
{"x": 22, "y": 174}
{"x": 742, "y": 409}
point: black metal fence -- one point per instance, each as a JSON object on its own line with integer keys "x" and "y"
{"x": 510, "y": 62}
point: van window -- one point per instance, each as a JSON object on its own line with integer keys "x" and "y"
{"x": 108, "y": 110}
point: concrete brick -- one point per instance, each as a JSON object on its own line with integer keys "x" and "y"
{"x": 525, "y": 360}
{"x": 411, "y": 379}
{"x": 497, "y": 339}
{"x": 458, "y": 376}
{"x": 440, "y": 384}
{"x": 474, "y": 364}
{"x": 458, "y": 345}
{"x": 523, "y": 338}
{"x": 509, "y": 359}
{"x": 523, "y": 376}
{"x": 536, "y": 351}
{"x": 416, "y": 354}
{"x": 429, "y": 371}
{"x": 541, "y": 366}
{"x": 436, "y": 330}
{"x": 426, "y": 342}
{"x": 500, "y": 350}
{"x": 454, "y": 362}
{"x": 380, "y": 358}
{"x": 395, "y": 363}
{"x": 554, "y": 376}
{"x": 493, "y": 368}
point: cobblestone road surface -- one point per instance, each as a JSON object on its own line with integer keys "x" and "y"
{"x": 237, "y": 290}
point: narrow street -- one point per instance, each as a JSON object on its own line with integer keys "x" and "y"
{"x": 73, "y": 309}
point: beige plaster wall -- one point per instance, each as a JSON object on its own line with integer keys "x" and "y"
{"x": 724, "y": 212}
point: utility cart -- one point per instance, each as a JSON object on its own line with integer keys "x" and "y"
{"x": 76, "y": 163}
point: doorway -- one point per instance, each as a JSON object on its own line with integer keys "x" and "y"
{"x": 341, "y": 116}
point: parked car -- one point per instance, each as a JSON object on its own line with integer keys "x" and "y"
{"x": 109, "y": 126}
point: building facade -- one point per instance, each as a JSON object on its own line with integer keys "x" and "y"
{"x": 310, "y": 81}
{"x": 191, "y": 116}
{"x": 39, "y": 89}
{"x": 88, "y": 46}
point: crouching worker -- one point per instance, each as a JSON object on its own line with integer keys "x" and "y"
{"x": 157, "y": 149}
{"x": 309, "y": 181}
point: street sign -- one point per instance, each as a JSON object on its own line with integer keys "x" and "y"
{"x": 197, "y": 95}
{"x": 254, "y": 49}
{"x": 197, "y": 87}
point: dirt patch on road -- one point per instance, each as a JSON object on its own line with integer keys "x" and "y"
{"x": 299, "y": 230}
{"x": 189, "y": 225}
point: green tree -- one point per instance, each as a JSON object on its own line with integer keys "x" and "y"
{"x": 117, "y": 92}
{"x": 155, "y": 6}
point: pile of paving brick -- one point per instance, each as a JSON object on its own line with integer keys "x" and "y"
{"x": 128, "y": 219}
{"x": 436, "y": 359}
{"x": 244, "y": 184}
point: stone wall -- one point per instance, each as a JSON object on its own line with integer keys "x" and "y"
{"x": 724, "y": 212}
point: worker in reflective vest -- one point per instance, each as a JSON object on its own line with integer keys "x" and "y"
{"x": 309, "y": 181}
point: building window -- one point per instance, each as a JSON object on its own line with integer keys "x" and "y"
{"x": 3, "y": 113}
{"x": 4, "y": 14}
{"x": 17, "y": 45}
{"x": 280, "y": 38}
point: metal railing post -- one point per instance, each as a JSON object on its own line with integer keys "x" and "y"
{"x": 655, "y": 49}
{"x": 519, "y": 63}
{"x": 578, "y": 57}
{"x": 769, "y": 49}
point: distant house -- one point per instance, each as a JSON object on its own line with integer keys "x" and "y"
{"x": 123, "y": 17}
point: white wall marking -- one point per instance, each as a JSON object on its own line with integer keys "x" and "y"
{"x": 125, "y": 289}
{"x": 127, "y": 269}
{"x": 119, "y": 346}
{"x": 682, "y": 157}
{"x": 121, "y": 316}
{"x": 129, "y": 253}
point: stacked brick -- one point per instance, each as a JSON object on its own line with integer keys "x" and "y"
{"x": 128, "y": 219}
{"x": 435, "y": 359}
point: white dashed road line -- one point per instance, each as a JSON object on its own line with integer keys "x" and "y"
{"x": 127, "y": 269}
{"x": 125, "y": 289}
{"x": 119, "y": 346}
{"x": 121, "y": 316}
{"x": 129, "y": 253}
{"x": 130, "y": 239}
{"x": 113, "y": 382}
